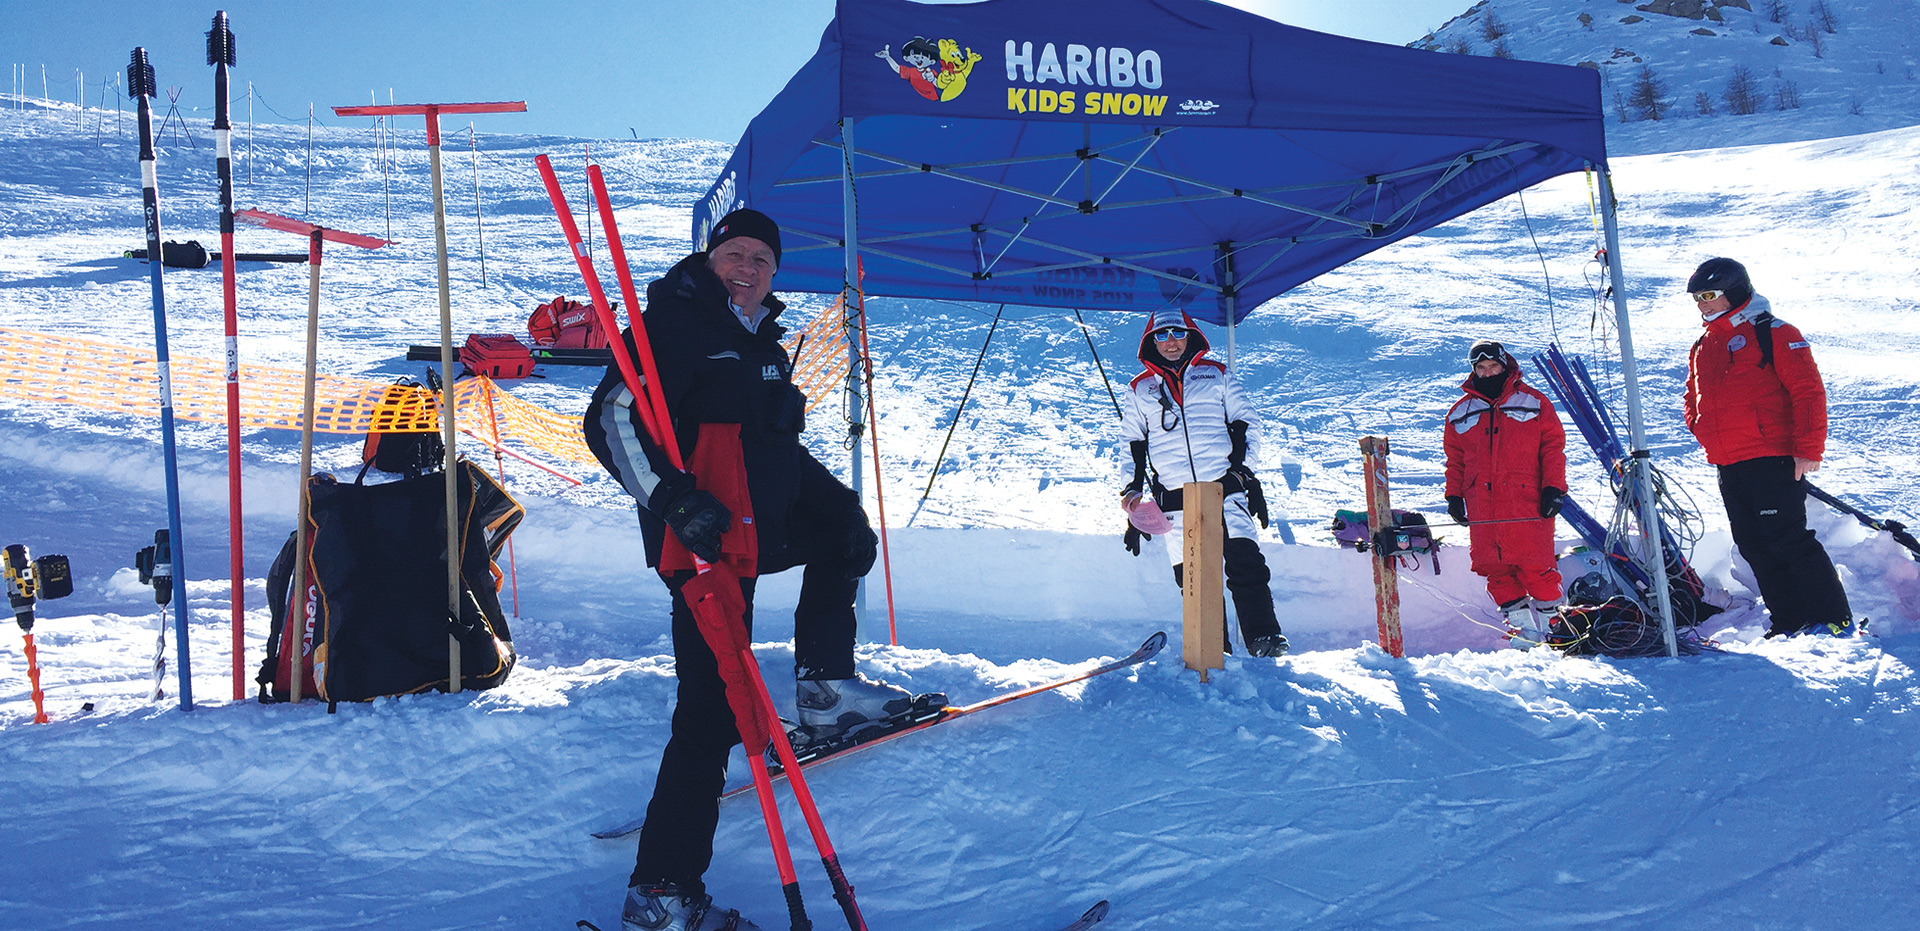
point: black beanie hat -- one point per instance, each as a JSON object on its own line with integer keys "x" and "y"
{"x": 1723, "y": 275}
{"x": 747, "y": 222}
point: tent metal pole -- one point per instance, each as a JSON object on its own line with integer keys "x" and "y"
{"x": 1639, "y": 467}
{"x": 1230, "y": 296}
{"x": 856, "y": 322}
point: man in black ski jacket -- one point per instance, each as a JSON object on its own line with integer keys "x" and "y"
{"x": 713, "y": 325}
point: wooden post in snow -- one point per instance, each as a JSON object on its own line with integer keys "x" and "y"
{"x": 1202, "y": 586}
{"x": 448, "y": 429}
{"x": 1386, "y": 578}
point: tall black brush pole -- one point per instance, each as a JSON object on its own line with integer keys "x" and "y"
{"x": 220, "y": 56}
{"x": 141, "y": 85}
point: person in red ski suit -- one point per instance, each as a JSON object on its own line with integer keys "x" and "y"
{"x": 1507, "y": 470}
{"x": 1756, "y": 403}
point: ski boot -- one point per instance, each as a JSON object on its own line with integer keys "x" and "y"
{"x": 837, "y": 713}
{"x": 1518, "y": 614}
{"x": 1543, "y": 614}
{"x": 667, "y": 907}
{"x": 1274, "y": 645}
{"x": 1850, "y": 628}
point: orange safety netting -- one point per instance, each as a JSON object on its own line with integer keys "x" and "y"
{"x": 99, "y": 375}
{"x": 107, "y": 376}
{"x": 819, "y": 352}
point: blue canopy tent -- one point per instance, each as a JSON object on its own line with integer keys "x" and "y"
{"x": 1134, "y": 155}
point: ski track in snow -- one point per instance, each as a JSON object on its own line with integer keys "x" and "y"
{"x": 1766, "y": 786}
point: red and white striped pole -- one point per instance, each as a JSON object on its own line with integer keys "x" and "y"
{"x": 220, "y": 56}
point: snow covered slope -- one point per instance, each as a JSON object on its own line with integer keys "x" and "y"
{"x": 1465, "y": 787}
{"x": 1817, "y": 68}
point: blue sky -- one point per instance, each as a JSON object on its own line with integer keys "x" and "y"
{"x": 595, "y": 69}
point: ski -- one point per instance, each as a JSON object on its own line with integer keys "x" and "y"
{"x": 1087, "y": 919}
{"x": 1147, "y": 651}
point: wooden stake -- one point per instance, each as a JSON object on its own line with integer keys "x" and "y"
{"x": 1386, "y": 579}
{"x": 1203, "y": 589}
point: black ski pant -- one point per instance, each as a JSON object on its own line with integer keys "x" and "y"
{"x": 1767, "y": 512}
{"x": 676, "y": 844}
{"x": 1248, "y": 581}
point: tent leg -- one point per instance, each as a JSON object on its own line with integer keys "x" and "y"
{"x": 856, "y": 323}
{"x": 1639, "y": 467}
{"x": 1229, "y": 295}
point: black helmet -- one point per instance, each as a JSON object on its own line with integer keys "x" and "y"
{"x": 1486, "y": 349}
{"x": 1722, "y": 275}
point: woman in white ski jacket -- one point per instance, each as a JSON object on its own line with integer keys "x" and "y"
{"x": 1187, "y": 419}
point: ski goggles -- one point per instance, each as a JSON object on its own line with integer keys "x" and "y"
{"x": 1701, "y": 297}
{"x": 1491, "y": 352}
{"x": 1161, "y": 336}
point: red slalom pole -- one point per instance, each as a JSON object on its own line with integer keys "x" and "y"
{"x": 652, "y": 410}
{"x": 220, "y": 56}
{"x": 879, "y": 495}
{"x": 296, "y": 632}
{"x": 842, "y": 890}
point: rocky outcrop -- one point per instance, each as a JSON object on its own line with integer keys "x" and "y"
{"x": 1687, "y": 9}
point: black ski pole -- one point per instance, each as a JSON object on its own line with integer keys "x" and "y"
{"x": 1893, "y": 528}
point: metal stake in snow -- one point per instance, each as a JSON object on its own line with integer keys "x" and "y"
{"x": 296, "y": 631}
{"x": 432, "y": 112}
{"x": 141, "y": 85}
{"x": 220, "y": 56}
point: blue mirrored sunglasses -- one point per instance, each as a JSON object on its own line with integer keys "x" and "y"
{"x": 1161, "y": 336}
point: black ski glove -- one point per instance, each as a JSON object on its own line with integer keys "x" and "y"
{"x": 1550, "y": 501}
{"x": 1457, "y": 508}
{"x": 1241, "y": 478}
{"x": 1133, "y": 538}
{"x": 696, "y": 517}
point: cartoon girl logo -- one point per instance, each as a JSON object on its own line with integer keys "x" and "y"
{"x": 937, "y": 70}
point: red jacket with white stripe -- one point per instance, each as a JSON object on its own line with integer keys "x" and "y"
{"x": 1739, "y": 409}
{"x": 1500, "y": 453}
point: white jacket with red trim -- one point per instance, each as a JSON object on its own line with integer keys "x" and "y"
{"x": 1183, "y": 413}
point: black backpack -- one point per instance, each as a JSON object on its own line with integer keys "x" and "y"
{"x": 189, "y": 254}
{"x": 377, "y": 584}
